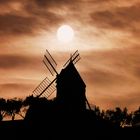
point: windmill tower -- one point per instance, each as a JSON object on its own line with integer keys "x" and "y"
{"x": 68, "y": 84}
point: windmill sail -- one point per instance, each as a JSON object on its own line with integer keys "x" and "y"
{"x": 50, "y": 63}
{"x": 75, "y": 57}
{"x": 45, "y": 88}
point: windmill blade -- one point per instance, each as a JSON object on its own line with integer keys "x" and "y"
{"x": 48, "y": 66}
{"x": 75, "y": 57}
{"x": 45, "y": 88}
{"x": 47, "y": 93}
{"x": 50, "y": 63}
{"x": 51, "y": 58}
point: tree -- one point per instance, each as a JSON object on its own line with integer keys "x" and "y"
{"x": 28, "y": 100}
{"x": 136, "y": 117}
{"x": 2, "y": 108}
{"x": 118, "y": 116}
{"x": 13, "y": 107}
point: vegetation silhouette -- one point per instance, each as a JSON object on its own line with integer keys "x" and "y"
{"x": 68, "y": 115}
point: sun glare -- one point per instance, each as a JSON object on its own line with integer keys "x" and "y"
{"x": 65, "y": 33}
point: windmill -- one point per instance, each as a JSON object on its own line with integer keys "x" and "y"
{"x": 69, "y": 86}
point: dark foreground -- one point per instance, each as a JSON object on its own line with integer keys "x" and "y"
{"x": 49, "y": 130}
{"x": 50, "y": 121}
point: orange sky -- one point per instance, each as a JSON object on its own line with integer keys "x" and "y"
{"x": 106, "y": 34}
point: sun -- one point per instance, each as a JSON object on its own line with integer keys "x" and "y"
{"x": 65, "y": 33}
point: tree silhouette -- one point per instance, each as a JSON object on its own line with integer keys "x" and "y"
{"x": 13, "y": 107}
{"x": 136, "y": 117}
{"x": 28, "y": 100}
{"x": 118, "y": 116}
{"x": 2, "y": 108}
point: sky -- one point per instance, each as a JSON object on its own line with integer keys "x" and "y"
{"x": 107, "y": 36}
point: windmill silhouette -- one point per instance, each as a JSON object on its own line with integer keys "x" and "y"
{"x": 68, "y": 84}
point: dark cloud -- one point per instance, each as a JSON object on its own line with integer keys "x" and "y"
{"x": 46, "y": 11}
{"x": 104, "y": 78}
{"x": 17, "y": 61}
{"x": 5, "y": 1}
{"x": 117, "y": 18}
{"x": 13, "y": 85}
{"x": 125, "y": 57}
{"x": 106, "y": 19}
{"x": 30, "y": 19}
{"x": 97, "y": 1}
{"x": 43, "y": 3}
{"x": 55, "y": 3}
{"x": 16, "y": 25}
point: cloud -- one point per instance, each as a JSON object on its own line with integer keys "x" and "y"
{"x": 122, "y": 18}
{"x": 112, "y": 77}
{"x": 26, "y": 18}
{"x": 31, "y": 17}
{"x": 118, "y": 61}
{"x": 18, "y": 61}
{"x": 11, "y": 85}
{"x": 16, "y": 25}
{"x": 55, "y": 3}
{"x": 9, "y": 90}
{"x": 104, "y": 78}
{"x": 4, "y": 1}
